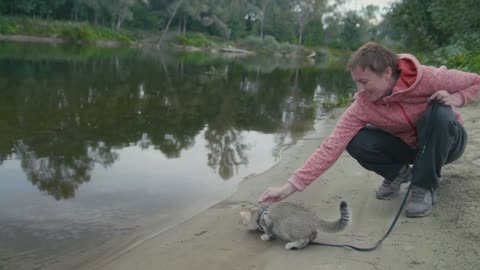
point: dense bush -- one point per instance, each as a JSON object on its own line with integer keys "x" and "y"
{"x": 454, "y": 56}
{"x": 8, "y": 27}
{"x": 78, "y": 34}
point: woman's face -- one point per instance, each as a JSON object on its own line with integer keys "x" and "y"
{"x": 374, "y": 86}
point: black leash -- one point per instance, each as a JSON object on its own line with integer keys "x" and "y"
{"x": 383, "y": 238}
{"x": 422, "y": 143}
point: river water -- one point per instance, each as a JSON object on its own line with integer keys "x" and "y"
{"x": 105, "y": 144}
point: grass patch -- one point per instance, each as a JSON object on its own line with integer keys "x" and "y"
{"x": 195, "y": 40}
{"x": 69, "y": 31}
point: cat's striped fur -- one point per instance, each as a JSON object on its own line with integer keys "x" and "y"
{"x": 293, "y": 223}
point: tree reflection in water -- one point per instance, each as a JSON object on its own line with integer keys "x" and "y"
{"x": 60, "y": 176}
{"x": 63, "y": 116}
{"x": 226, "y": 152}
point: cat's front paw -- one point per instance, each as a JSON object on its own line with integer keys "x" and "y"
{"x": 299, "y": 244}
{"x": 265, "y": 237}
{"x": 290, "y": 246}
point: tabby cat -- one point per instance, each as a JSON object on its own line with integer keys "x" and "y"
{"x": 292, "y": 223}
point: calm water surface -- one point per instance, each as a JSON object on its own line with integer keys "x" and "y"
{"x": 98, "y": 144}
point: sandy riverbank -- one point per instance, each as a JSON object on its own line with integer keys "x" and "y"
{"x": 214, "y": 239}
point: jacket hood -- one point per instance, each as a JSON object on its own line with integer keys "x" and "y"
{"x": 410, "y": 75}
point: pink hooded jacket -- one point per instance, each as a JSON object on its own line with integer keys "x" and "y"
{"x": 396, "y": 113}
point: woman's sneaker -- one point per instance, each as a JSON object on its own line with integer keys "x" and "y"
{"x": 391, "y": 188}
{"x": 421, "y": 202}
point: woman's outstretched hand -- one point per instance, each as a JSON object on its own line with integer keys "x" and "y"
{"x": 276, "y": 194}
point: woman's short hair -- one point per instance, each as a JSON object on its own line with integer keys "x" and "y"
{"x": 374, "y": 56}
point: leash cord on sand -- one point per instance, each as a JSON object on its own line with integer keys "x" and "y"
{"x": 423, "y": 143}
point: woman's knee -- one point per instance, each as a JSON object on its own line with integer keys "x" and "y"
{"x": 442, "y": 119}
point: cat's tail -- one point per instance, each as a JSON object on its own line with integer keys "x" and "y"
{"x": 341, "y": 223}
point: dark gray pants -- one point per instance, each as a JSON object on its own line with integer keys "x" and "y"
{"x": 385, "y": 154}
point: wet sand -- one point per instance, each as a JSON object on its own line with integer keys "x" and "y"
{"x": 214, "y": 239}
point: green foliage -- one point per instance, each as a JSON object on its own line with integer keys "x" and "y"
{"x": 71, "y": 32}
{"x": 444, "y": 32}
{"x": 196, "y": 40}
{"x": 108, "y": 12}
{"x": 471, "y": 61}
{"x": 349, "y": 30}
{"x": 283, "y": 20}
{"x": 414, "y": 20}
{"x": 8, "y": 27}
{"x": 423, "y": 25}
{"x": 279, "y": 23}
{"x": 146, "y": 18}
{"x": 454, "y": 56}
{"x": 353, "y": 30}
{"x": 78, "y": 34}
{"x": 456, "y": 18}
{"x": 314, "y": 33}
{"x": 432, "y": 24}
{"x": 25, "y": 26}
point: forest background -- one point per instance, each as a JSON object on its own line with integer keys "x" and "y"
{"x": 438, "y": 31}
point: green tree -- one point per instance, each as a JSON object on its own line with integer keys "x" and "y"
{"x": 353, "y": 30}
{"x": 120, "y": 11}
{"x": 96, "y": 6}
{"x": 280, "y": 21}
{"x": 333, "y": 28}
{"x": 314, "y": 32}
{"x": 369, "y": 14}
{"x": 414, "y": 20}
{"x": 305, "y": 11}
{"x": 263, "y": 10}
{"x": 459, "y": 21}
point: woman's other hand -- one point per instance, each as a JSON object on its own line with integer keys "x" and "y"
{"x": 447, "y": 99}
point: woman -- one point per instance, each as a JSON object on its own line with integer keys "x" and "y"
{"x": 383, "y": 126}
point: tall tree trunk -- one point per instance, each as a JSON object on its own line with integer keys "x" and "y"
{"x": 184, "y": 30}
{"x": 119, "y": 22}
{"x": 165, "y": 30}
{"x": 180, "y": 69}
{"x": 261, "y": 28}
{"x": 301, "y": 26}
{"x": 300, "y": 37}
{"x": 262, "y": 21}
{"x": 117, "y": 64}
{"x": 295, "y": 83}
